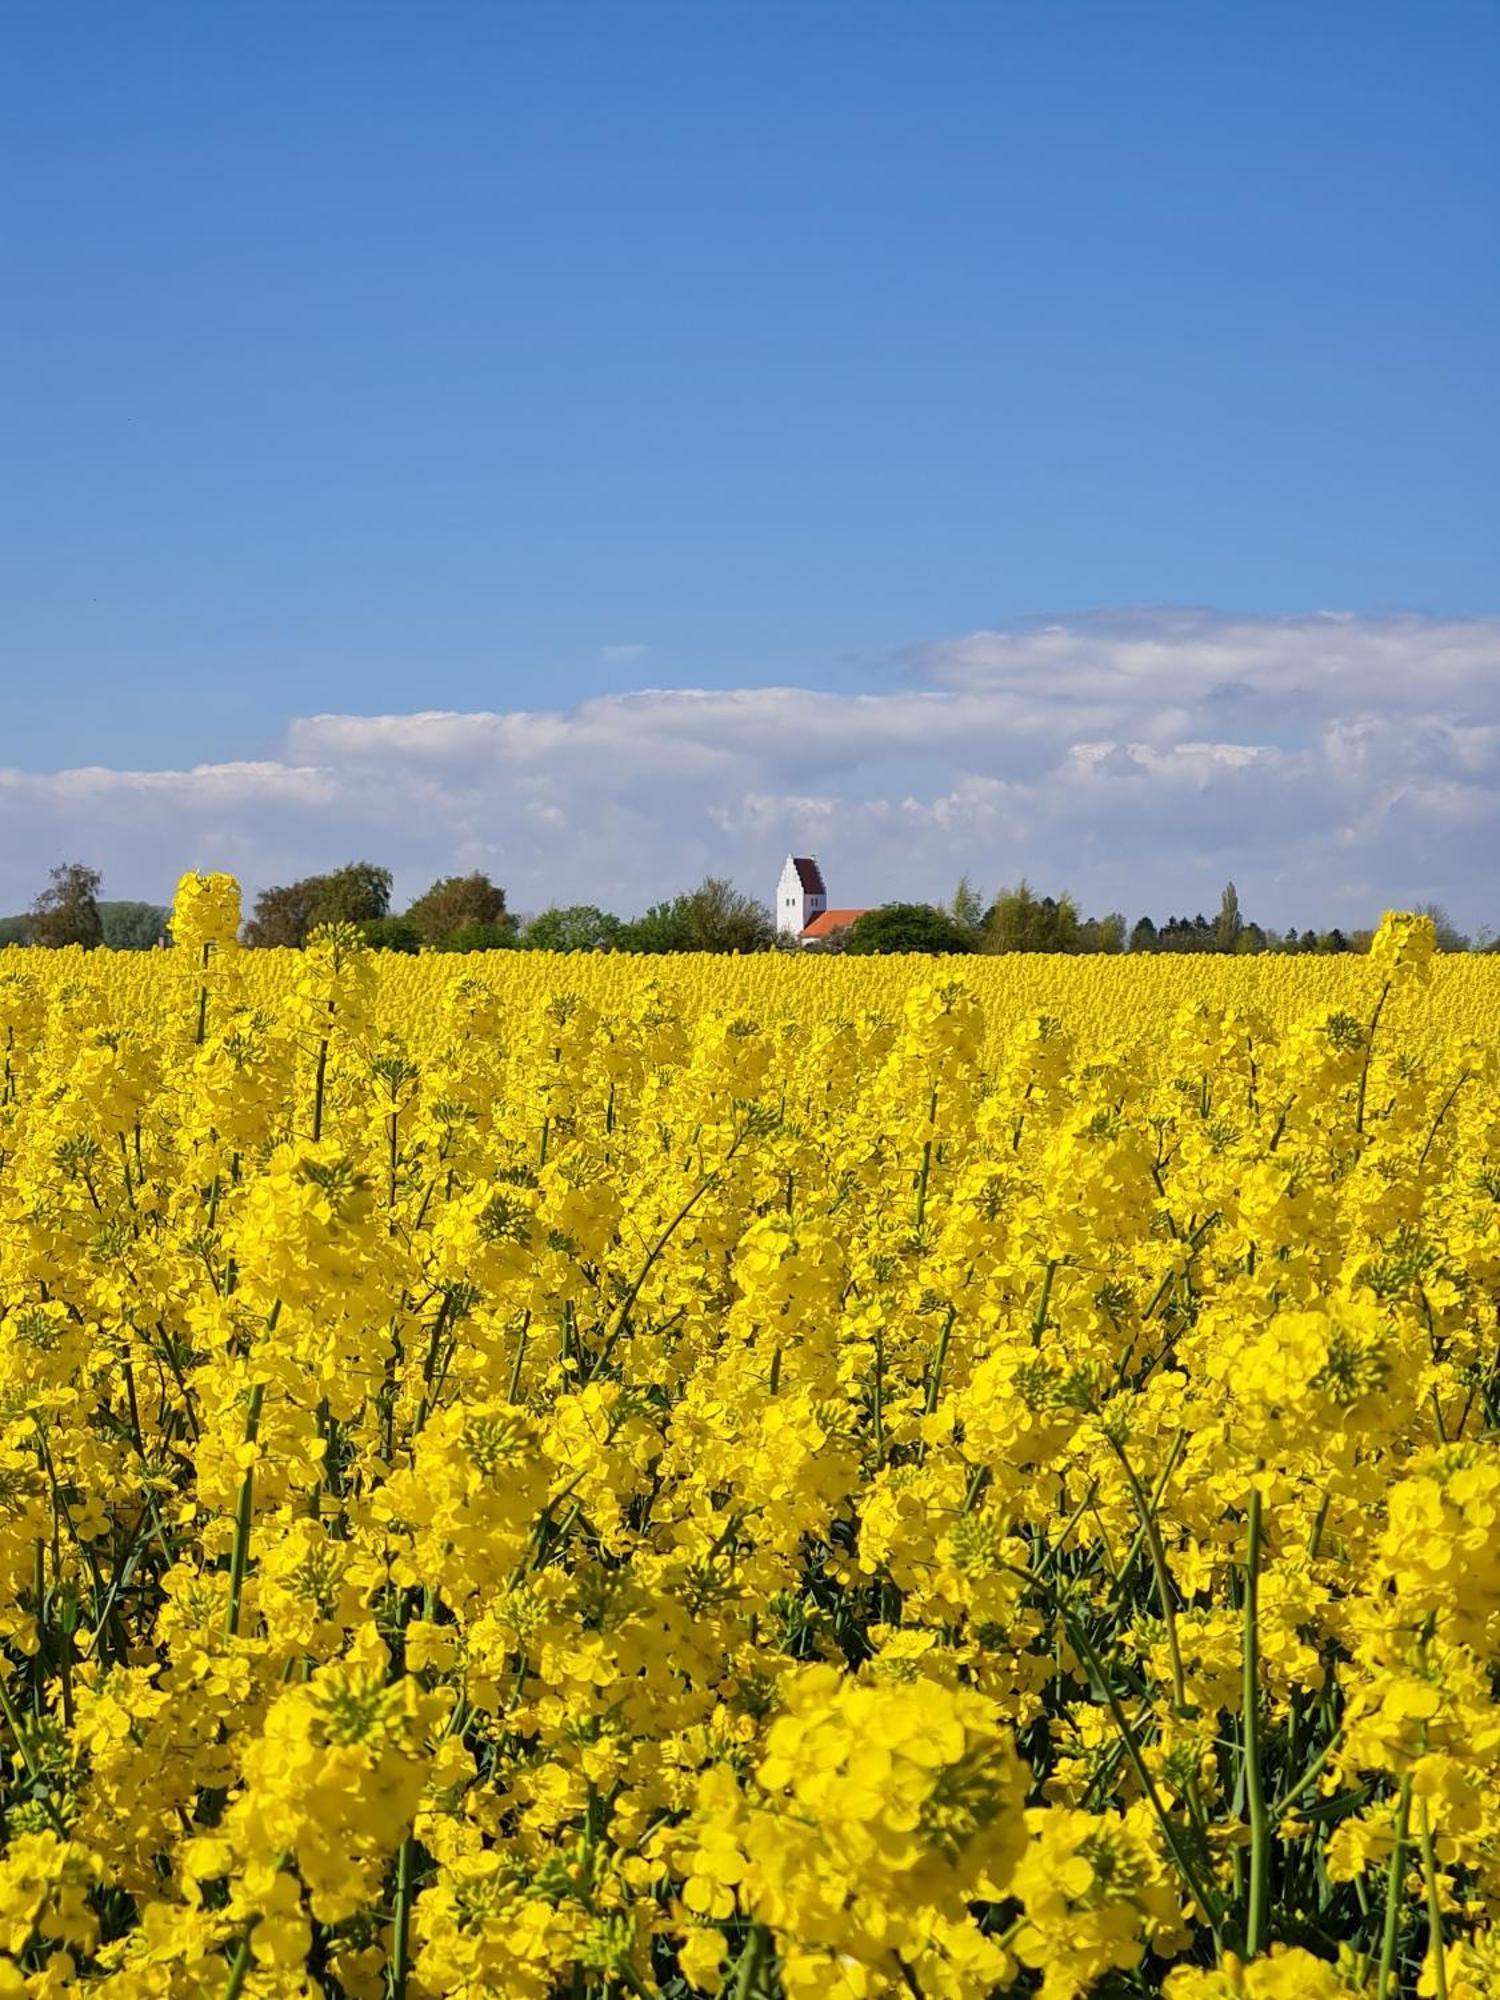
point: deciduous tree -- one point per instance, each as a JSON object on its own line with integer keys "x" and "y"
{"x": 67, "y": 910}
{"x": 906, "y": 927}
{"x": 574, "y": 927}
{"x": 132, "y": 926}
{"x": 355, "y": 894}
{"x": 1020, "y": 920}
{"x": 455, "y": 903}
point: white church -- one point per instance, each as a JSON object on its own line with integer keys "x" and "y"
{"x": 802, "y": 910}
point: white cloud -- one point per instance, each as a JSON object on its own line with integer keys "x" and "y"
{"x": 1326, "y": 762}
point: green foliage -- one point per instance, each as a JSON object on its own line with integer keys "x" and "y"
{"x": 356, "y": 894}
{"x": 283, "y": 916}
{"x": 1020, "y": 920}
{"x": 1102, "y": 933}
{"x": 657, "y": 930}
{"x": 457, "y": 903}
{"x": 574, "y": 927}
{"x": 713, "y": 917}
{"x": 906, "y": 927}
{"x": 967, "y": 908}
{"x": 132, "y": 926}
{"x": 391, "y": 934}
{"x": 1229, "y": 934}
{"x": 717, "y": 917}
{"x": 12, "y": 931}
{"x": 67, "y": 910}
{"x": 497, "y": 936}
{"x": 1229, "y": 924}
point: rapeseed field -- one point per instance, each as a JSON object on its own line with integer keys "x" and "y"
{"x": 791, "y": 1479}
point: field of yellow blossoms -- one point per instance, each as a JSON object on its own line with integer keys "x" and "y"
{"x": 779, "y": 1479}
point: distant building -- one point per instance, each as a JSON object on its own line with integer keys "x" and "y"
{"x": 802, "y": 908}
{"x": 800, "y": 895}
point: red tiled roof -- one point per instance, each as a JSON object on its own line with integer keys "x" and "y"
{"x": 831, "y": 920}
{"x": 809, "y": 875}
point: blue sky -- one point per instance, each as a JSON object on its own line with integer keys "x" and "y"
{"x": 361, "y": 360}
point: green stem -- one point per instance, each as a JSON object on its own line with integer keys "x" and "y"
{"x": 319, "y": 1083}
{"x": 1207, "y": 1901}
{"x": 1447, "y": 1106}
{"x": 1315, "y": 1539}
{"x": 203, "y": 1000}
{"x": 1364, "y": 1072}
{"x": 514, "y": 1391}
{"x": 1173, "y": 1454}
{"x": 879, "y": 1397}
{"x": 429, "y": 1366}
{"x": 1163, "y": 1578}
{"x": 401, "y": 1939}
{"x": 239, "y": 1967}
{"x": 622, "y": 1322}
{"x": 1319, "y": 1763}
{"x": 935, "y": 1380}
{"x": 1393, "y": 1881}
{"x": 1255, "y": 1796}
{"x": 1039, "y": 1318}
{"x": 750, "y": 1961}
{"x": 1434, "y": 1904}
{"x": 239, "y": 1560}
{"x": 13, "y": 1722}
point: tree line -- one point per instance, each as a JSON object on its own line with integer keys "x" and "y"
{"x": 469, "y": 913}
{"x": 1018, "y": 919}
{"x": 457, "y": 913}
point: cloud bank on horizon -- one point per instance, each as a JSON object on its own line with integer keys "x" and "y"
{"x": 1331, "y": 764}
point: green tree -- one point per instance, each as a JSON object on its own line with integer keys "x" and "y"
{"x": 967, "y": 908}
{"x": 1020, "y": 920}
{"x": 574, "y": 927}
{"x": 391, "y": 934}
{"x": 1229, "y": 924}
{"x": 1187, "y": 934}
{"x": 455, "y": 903}
{"x": 906, "y": 927}
{"x": 355, "y": 894}
{"x": 656, "y": 930}
{"x": 67, "y": 910}
{"x": 1101, "y": 933}
{"x": 132, "y": 926}
{"x": 718, "y": 917}
{"x": 283, "y": 916}
{"x": 12, "y": 931}
{"x": 713, "y": 917}
{"x": 499, "y": 935}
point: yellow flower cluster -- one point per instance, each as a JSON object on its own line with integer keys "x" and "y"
{"x": 805, "y": 1481}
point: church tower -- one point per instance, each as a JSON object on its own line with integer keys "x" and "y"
{"x": 800, "y": 895}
